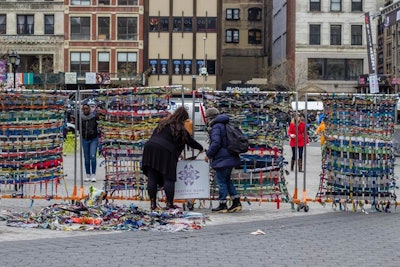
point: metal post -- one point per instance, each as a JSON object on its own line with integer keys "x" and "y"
{"x": 14, "y": 61}
{"x": 204, "y": 62}
{"x": 295, "y": 196}
{"x": 396, "y": 68}
{"x": 396, "y": 57}
{"x": 14, "y": 71}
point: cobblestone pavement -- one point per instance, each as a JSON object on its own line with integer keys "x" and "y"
{"x": 329, "y": 239}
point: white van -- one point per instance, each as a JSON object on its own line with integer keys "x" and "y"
{"x": 198, "y": 119}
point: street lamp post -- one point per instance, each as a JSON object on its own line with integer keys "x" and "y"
{"x": 204, "y": 72}
{"x": 14, "y": 61}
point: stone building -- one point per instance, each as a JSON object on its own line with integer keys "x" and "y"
{"x": 320, "y": 45}
{"x": 35, "y": 31}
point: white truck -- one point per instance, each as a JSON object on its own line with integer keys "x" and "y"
{"x": 198, "y": 119}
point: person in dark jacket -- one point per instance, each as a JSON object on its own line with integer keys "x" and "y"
{"x": 90, "y": 140}
{"x": 161, "y": 153}
{"x": 222, "y": 161}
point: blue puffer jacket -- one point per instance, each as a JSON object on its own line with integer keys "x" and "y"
{"x": 217, "y": 152}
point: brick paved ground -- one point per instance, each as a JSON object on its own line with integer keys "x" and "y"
{"x": 321, "y": 236}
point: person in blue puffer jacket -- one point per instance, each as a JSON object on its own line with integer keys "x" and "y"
{"x": 222, "y": 161}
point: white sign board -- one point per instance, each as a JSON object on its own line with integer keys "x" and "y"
{"x": 192, "y": 179}
{"x": 373, "y": 84}
{"x": 70, "y": 78}
{"x": 90, "y": 78}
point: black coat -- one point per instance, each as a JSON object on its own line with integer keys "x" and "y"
{"x": 90, "y": 128}
{"x": 161, "y": 152}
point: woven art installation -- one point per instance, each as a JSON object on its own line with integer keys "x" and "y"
{"x": 263, "y": 117}
{"x": 358, "y": 159}
{"x": 31, "y": 141}
{"x": 126, "y": 122}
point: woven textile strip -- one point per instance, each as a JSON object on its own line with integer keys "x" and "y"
{"x": 127, "y": 121}
{"x": 263, "y": 117}
{"x": 31, "y": 125}
{"x": 358, "y": 159}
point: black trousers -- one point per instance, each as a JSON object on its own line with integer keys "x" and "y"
{"x": 299, "y": 155}
{"x": 155, "y": 179}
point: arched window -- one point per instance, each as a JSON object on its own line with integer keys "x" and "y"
{"x": 254, "y": 14}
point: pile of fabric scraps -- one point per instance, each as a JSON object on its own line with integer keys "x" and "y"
{"x": 106, "y": 217}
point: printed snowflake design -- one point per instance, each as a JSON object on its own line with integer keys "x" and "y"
{"x": 188, "y": 175}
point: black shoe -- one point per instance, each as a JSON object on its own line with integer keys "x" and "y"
{"x": 222, "y": 208}
{"x": 170, "y": 206}
{"x": 236, "y": 206}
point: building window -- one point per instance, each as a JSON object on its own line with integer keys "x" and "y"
{"x": 185, "y": 21}
{"x": 80, "y": 28}
{"x": 48, "y": 24}
{"x": 127, "y": 2}
{"x": 315, "y": 34}
{"x": 210, "y": 65}
{"x": 80, "y": 63}
{"x": 315, "y": 5}
{"x": 153, "y": 64}
{"x": 103, "y": 62}
{"x": 127, "y": 28}
{"x": 25, "y": 24}
{"x": 356, "y": 5}
{"x": 177, "y": 24}
{"x": 232, "y": 14}
{"x": 336, "y": 34}
{"x": 336, "y": 5}
{"x": 187, "y": 67}
{"x": 177, "y": 67}
{"x": 159, "y": 24}
{"x": 104, "y": 2}
{"x": 232, "y": 36}
{"x": 334, "y": 69}
{"x": 356, "y": 34}
{"x": 187, "y": 24}
{"x": 3, "y": 24}
{"x": 80, "y": 2}
{"x": 380, "y": 58}
{"x": 206, "y": 24}
{"x": 127, "y": 63}
{"x": 103, "y": 30}
{"x": 254, "y": 14}
{"x": 163, "y": 67}
{"x": 254, "y": 36}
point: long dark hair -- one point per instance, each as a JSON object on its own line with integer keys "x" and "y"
{"x": 176, "y": 121}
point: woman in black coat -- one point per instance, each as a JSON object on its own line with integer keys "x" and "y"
{"x": 161, "y": 153}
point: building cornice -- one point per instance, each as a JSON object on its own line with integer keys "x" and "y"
{"x": 390, "y": 8}
{"x": 32, "y": 6}
{"x": 32, "y": 39}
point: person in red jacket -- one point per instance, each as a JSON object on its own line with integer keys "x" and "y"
{"x": 297, "y": 137}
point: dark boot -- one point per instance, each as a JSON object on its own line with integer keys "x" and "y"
{"x": 153, "y": 204}
{"x": 171, "y": 206}
{"x": 236, "y": 206}
{"x": 221, "y": 208}
{"x": 300, "y": 163}
{"x": 292, "y": 165}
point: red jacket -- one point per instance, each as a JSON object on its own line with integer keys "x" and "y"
{"x": 301, "y": 133}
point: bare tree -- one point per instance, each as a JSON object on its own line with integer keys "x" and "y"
{"x": 291, "y": 75}
{"x": 43, "y": 67}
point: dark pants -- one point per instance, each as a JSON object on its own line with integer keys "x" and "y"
{"x": 299, "y": 154}
{"x": 154, "y": 180}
